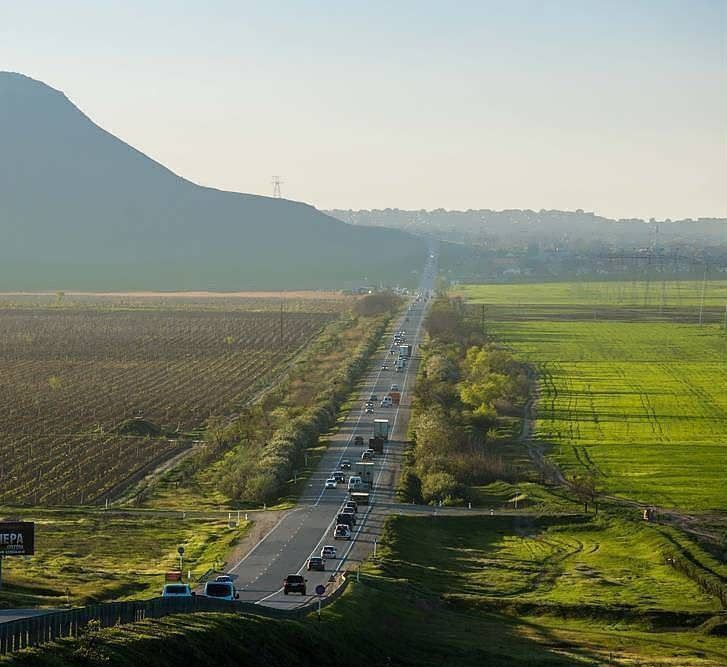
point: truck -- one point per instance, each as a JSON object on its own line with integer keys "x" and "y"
{"x": 400, "y": 364}
{"x": 377, "y": 444}
{"x": 361, "y": 497}
{"x": 405, "y": 351}
{"x": 381, "y": 429}
{"x": 365, "y": 470}
{"x": 395, "y": 397}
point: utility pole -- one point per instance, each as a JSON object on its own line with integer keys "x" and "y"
{"x": 281, "y": 323}
{"x": 276, "y": 187}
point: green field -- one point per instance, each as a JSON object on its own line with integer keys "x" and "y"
{"x": 552, "y": 562}
{"x": 672, "y": 293}
{"x": 98, "y": 556}
{"x": 471, "y": 591}
{"x": 642, "y": 405}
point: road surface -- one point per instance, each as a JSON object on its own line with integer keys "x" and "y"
{"x": 306, "y": 529}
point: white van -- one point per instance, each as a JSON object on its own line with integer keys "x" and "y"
{"x": 354, "y": 483}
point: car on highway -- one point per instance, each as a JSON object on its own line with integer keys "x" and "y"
{"x": 329, "y": 552}
{"x": 347, "y": 511}
{"x": 347, "y": 520}
{"x": 221, "y": 590}
{"x": 331, "y": 483}
{"x": 385, "y": 367}
{"x": 177, "y": 591}
{"x": 294, "y": 583}
{"x": 316, "y": 563}
{"x": 224, "y": 578}
{"x": 369, "y": 410}
{"x": 358, "y": 441}
{"x": 386, "y": 402}
{"x": 368, "y": 455}
{"x": 342, "y": 532}
{"x": 338, "y": 476}
{"x": 394, "y": 387}
{"x": 354, "y": 483}
{"x": 373, "y": 398}
{"x": 345, "y": 464}
{"x": 350, "y": 504}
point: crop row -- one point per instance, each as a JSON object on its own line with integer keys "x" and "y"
{"x": 71, "y": 378}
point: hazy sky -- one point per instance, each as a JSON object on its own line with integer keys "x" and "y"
{"x": 614, "y": 106}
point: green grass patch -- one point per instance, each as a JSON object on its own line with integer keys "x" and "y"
{"x": 100, "y": 556}
{"x": 642, "y": 406}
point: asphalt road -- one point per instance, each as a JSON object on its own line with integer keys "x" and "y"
{"x": 305, "y": 530}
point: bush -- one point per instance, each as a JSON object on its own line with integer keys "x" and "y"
{"x": 442, "y": 486}
{"x": 410, "y": 488}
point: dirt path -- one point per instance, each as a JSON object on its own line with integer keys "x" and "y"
{"x": 551, "y": 473}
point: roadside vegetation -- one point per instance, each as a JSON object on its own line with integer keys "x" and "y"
{"x": 466, "y": 390}
{"x": 84, "y": 557}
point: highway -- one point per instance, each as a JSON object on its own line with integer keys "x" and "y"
{"x": 303, "y": 531}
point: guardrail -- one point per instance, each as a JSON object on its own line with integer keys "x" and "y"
{"x": 46, "y": 627}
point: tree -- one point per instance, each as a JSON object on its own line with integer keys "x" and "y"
{"x": 585, "y": 488}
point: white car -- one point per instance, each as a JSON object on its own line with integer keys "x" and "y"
{"x": 342, "y": 532}
{"x": 331, "y": 483}
{"x": 387, "y": 402}
{"x": 329, "y": 552}
{"x": 394, "y": 387}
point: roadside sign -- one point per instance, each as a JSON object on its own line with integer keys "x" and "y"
{"x": 320, "y": 589}
{"x": 17, "y": 538}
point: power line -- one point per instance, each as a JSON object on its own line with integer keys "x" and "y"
{"x": 276, "y": 187}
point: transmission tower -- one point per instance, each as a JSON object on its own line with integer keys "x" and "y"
{"x": 276, "y": 187}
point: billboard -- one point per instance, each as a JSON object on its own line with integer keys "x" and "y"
{"x": 17, "y": 538}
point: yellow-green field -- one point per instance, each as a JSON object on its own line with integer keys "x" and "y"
{"x": 604, "y": 293}
{"x": 642, "y": 405}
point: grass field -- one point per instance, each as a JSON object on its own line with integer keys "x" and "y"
{"x": 77, "y": 376}
{"x": 642, "y": 405}
{"x": 655, "y": 293}
{"x": 98, "y": 556}
{"x": 601, "y": 562}
{"x": 439, "y": 595}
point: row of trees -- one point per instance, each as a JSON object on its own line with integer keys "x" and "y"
{"x": 466, "y": 384}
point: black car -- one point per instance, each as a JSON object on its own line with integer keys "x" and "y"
{"x": 316, "y": 563}
{"x": 294, "y": 583}
{"x": 348, "y": 519}
{"x": 358, "y": 441}
{"x": 339, "y": 477}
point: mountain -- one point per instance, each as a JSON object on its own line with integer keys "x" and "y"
{"x": 81, "y": 209}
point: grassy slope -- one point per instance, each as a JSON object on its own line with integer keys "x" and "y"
{"x": 100, "y": 557}
{"x": 429, "y": 602}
